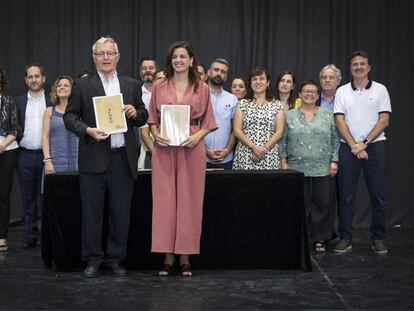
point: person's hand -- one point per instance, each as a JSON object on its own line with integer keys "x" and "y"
{"x": 221, "y": 154}
{"x": 96, "y": 134}
{"x": 362, "y": 155}
{"x": 2, "y": 148}
{"x": 211, "y": 153}
{"x": 191, "y": 141}
{"x": 357, "y": 148}
{"x": 130, "y": 111}
{"x": 333, "y": 169}
{"x": 255, "y": 157}
{"x": 49, "y": 168}
{"x": 260, "y": 151}
{"x": 284, "y": 165}
{"x": 161, "y": 141}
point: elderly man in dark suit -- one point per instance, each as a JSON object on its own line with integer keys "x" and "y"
{"x": 107, "y": 163}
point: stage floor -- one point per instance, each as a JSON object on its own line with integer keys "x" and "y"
{"x": 361, "y": 280}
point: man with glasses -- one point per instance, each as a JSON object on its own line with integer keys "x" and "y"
{"x": 330, "y": 77}
{"x": 362, "y": 112}
{"x": 31, "y": 107}
{"x": 107, "y": 163}
{"x": 220, "y": 143}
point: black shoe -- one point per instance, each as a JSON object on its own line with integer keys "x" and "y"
{"x": 91, "y": 270}
{"x": 30, "y": 243}
{"x": 117, "y": 269}
{"x": 343, "y": 247}
{"x": 379, "y": 247}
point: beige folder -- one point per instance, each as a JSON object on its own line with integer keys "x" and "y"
{"x": 109, "y": 114}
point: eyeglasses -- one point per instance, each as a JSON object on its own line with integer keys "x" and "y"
{"x": 107, "y": 53}
{"x": 312, "y": 92}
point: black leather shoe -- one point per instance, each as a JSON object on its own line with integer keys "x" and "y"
{"x": 30, "y": 243}
{"x": 117, "y": 269}
{"x": 91, "y": 270}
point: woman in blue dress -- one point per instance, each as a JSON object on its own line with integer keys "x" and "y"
{"x": 60, "y": 147}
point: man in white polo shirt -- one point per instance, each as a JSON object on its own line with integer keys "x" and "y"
{"x": 362, "y": 112}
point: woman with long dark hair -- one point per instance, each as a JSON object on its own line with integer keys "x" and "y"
{"x": 9, "y": 131}
{"x": 258, "y": 125}
{"x": 285, "y": 85}
{"x": 178, "y": 172}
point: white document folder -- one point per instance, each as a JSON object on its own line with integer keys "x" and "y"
{"x": 175, "y": 123}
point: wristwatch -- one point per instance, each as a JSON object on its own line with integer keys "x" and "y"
{"x": 366, "y": 142}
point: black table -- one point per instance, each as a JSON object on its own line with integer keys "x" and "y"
{"x": 251, "y": 220}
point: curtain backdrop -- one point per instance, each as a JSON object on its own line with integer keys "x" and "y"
{"x": 301, "y": 36}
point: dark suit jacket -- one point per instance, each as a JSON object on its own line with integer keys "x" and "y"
{"x": 21, "y": 104}
{"x": 94, "y": 157}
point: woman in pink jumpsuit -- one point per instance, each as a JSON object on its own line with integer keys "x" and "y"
{"x": 178, "y": 172}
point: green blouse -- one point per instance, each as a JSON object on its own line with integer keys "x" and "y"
{"x": 310, "y": 147}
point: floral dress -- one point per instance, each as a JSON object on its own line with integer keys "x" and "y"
{"x": 259, "y": 124}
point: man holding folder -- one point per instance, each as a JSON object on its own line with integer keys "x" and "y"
{"x": 107, "y": 162}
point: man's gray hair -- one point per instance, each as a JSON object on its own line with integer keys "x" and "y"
{"x": 103, "y": 40}
{"x": 334, "y": 68}
{"x": 221, "y": 61}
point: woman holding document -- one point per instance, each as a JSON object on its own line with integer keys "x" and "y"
{"x": 178, "y": 170}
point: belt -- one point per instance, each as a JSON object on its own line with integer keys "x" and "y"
{"x": 35, "y": 151}
{"x": 194, "y": 122}
{"x": 113, "y": 150}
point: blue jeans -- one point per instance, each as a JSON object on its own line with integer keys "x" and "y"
{"x": 375, "y": 178}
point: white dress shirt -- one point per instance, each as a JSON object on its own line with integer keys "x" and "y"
{"x": 32, "y": 136}
{"x": 111, "y": 87}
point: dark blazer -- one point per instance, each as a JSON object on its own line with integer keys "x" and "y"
{"x": 21, "y": 104}
{"x": 94, "y": 157}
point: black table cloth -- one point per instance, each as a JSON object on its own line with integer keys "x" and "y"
{"x": 251, "y": 220}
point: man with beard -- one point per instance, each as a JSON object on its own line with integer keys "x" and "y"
{"x": 220, "y": 143}
{"x": 31, "y": 107}
{"x": 147, "y": 69}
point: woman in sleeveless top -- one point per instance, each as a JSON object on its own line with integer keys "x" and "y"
{"x": 60, "y": 147}
{"x": 258, "y": 125}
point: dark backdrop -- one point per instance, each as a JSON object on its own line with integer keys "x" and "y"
{"x": 301, "y": 36}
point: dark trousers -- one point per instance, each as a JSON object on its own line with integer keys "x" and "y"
{"x": 29, "y": 170}
{"x": 375, "y": 178}
{"x": 225, "y": 166}
{"x": 318, "y": 208}
{"x": 117, "y": 185}
{"x": 7, "y": 166}
{"x": 334, "y": 193}
{"x": 148, "y": 157}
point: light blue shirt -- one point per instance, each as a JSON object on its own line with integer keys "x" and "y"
{"x": 224, "y": 106}
{"x": 327, "y": 104}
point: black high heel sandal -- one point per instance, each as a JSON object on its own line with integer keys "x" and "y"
{"x": 166, "y": 270}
